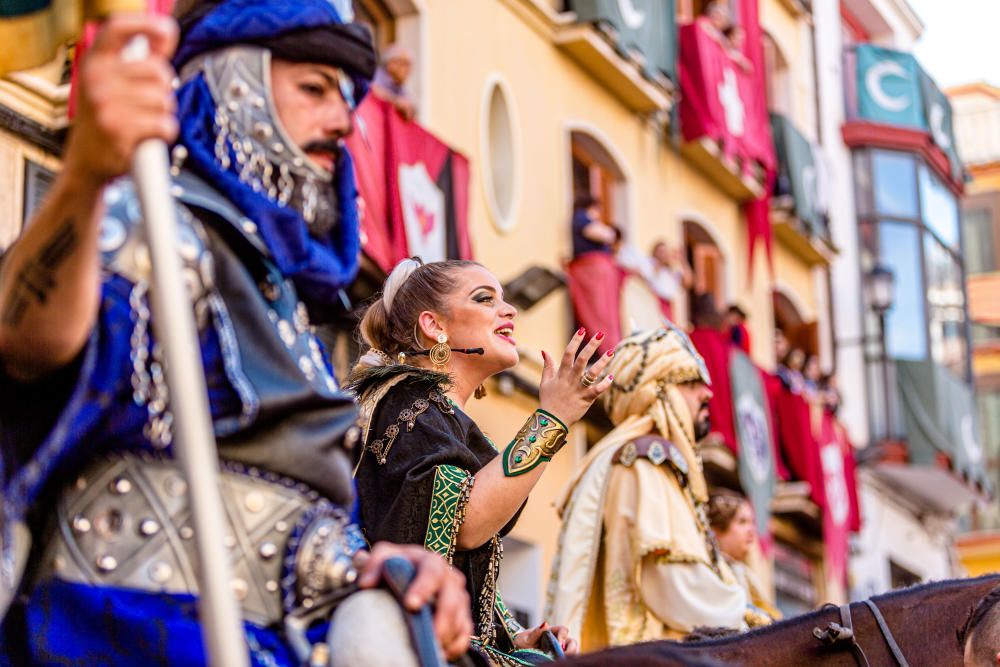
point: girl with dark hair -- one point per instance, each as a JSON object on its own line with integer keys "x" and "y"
{"x": 426, "y": 473}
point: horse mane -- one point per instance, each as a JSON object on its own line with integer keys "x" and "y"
{"x": 918, "y": 589}
{"x": 976, "y": 615}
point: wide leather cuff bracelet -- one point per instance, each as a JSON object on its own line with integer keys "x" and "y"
{"x": 538, "y": 440}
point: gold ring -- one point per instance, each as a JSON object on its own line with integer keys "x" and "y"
{"x": 587, "y": 380}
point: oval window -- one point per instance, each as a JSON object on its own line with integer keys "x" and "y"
{"x": 500, "y": 154}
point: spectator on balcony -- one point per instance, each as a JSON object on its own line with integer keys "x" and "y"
{"x": 812, "y": 379}
{"x": 715, "y": 19}
{"x": 790, "y": 371}
{"x": 665, "y": 270}
{"x": 736, "y": 328}
{"x": 390, "y": 80}
{"x": 736, "y": 38}
{"x": 595, "y": 279}
{"x": 731, "y": 517}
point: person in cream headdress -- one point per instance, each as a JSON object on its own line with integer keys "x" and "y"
{"x": 636, "y": 558}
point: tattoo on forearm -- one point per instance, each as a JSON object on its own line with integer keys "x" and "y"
{"x": 36, "y": 278}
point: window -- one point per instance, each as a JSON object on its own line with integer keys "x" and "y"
{"x": 377, "y": 17}
{"x": 37, "y": 181}
{"x": 596, "y": 173}
{"x": 901, "y": 577}
{"x": 983, "y": 333}
{"x": 707, "y": 264}
{"x": 499, "y": 150}
{"x": 980, "y": 242}
{"x": 939, "y": 208}
{"x": 899, "y": 251}
{"x": 945, "y": 306}
{"x": 894, "y": 182}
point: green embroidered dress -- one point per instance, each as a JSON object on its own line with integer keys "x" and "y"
{"x": 418, "y": 460}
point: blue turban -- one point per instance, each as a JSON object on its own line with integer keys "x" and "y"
{"x": 301, "y": 31}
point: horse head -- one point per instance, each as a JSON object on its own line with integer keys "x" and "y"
{"x": 979, "y": 636}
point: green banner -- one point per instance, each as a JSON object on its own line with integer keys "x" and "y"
{"x": 797, "y": 165}
{"x": 648, "y": 26}
{"x": 753, "y": 436}
{"x": 893, "y": 89}
{"x": 940, "y": 415}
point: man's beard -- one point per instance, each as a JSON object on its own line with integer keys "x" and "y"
{"x": 702, "y": 427}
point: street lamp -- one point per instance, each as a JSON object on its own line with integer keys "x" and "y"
{"x": 879, "y": 292}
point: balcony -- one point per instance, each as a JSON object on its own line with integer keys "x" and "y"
{"x": 798, "y": 214}
{"x": 631, "y": 56}
{"x": 893, "y": 103}
{"x": 723, "y": 122}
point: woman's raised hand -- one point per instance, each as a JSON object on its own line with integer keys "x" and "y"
{"x": 568, "y": 391}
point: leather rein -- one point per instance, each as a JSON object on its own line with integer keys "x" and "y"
{"x": 837, "y": 634}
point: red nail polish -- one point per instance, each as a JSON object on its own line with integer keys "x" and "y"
{"x": 599, "y": 335}
{"x": 611, "y": 353}
{"x": 581, "y": 331}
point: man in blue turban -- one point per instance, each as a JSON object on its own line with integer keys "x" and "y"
{"x": 269, "y": 239}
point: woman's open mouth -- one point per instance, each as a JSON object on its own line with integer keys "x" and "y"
{"x": 507, "y": 333}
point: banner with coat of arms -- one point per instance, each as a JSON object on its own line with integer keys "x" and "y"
{"x": 753, "y": 434}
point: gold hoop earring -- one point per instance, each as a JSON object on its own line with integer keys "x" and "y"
{"x": 440, "y": 354}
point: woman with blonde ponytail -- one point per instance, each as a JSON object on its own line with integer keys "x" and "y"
{"x": 426, "y": 473}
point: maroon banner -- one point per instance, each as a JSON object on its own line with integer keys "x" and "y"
{"x": 714, "y": 349}
{"x": 595, "y": 288}
{"x": 414, "y": 189}
{"x": 726, "y": 101}
{"x": 772, "y": 385}
{"x": 798, "y": 442}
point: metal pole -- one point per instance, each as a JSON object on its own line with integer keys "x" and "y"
{"x": 194, "y": 438}
{"x": 887, "y": 404}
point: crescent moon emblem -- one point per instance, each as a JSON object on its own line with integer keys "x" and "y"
{"x": 873, "y": 83}
{"x": 632, "y": 15}
{"x": 941, "y": 137}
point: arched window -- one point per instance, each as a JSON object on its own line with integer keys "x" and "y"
{"x": 500, "y": 154}
{"x": 707, "y": 263}
{"x": 597, "y": 173}
{"x": 788, "y": 319}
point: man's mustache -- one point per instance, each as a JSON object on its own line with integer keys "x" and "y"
{"x": 329, "y": 146}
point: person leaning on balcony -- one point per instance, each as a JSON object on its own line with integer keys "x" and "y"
{"x": 736, "y": 38}
{"x": 427, "y": 474}
{"x": 732, "y": 520}
{"x": 636, "y": 560}
{"x": 715, "y": 19}
{"x": 391, "y": 77}
{"x": 595, "y": 278}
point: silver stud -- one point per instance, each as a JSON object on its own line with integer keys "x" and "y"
{"x": 307, "y": 367}
{"x": 281, "y": 526}
{"x": 297, "y": 162}
{"x": 81, "y": 524}
{"x": 148, "y": 527}
{"x": 238, "y": 89}
{"x": 160, "y": 572}
{"x": 254, "y": 502}
{"x": 271, "y": 585}
{"x": 308, "y": 603}
{"x": 351, "y": 576}
{"x": 323, "y": 531}
{"x": 268, "y": 550}
{"x": 248, "y": 226}
{"x": 240, "y": 589}
{"x": 263, "y": 131}
{"x": 121, "y": 486}
{"x": 187, "y": 532}
{"x": 81, "y": 483}
{"x": 233, "y": 106}
{"x": 278, "y": 148}
{"x": 176, "y": 190}
{"x": 259, "y": 102}
{"x": 287, "y": 335}
{"x": 175, "y": 486}
{"x": 107, "y": 563}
